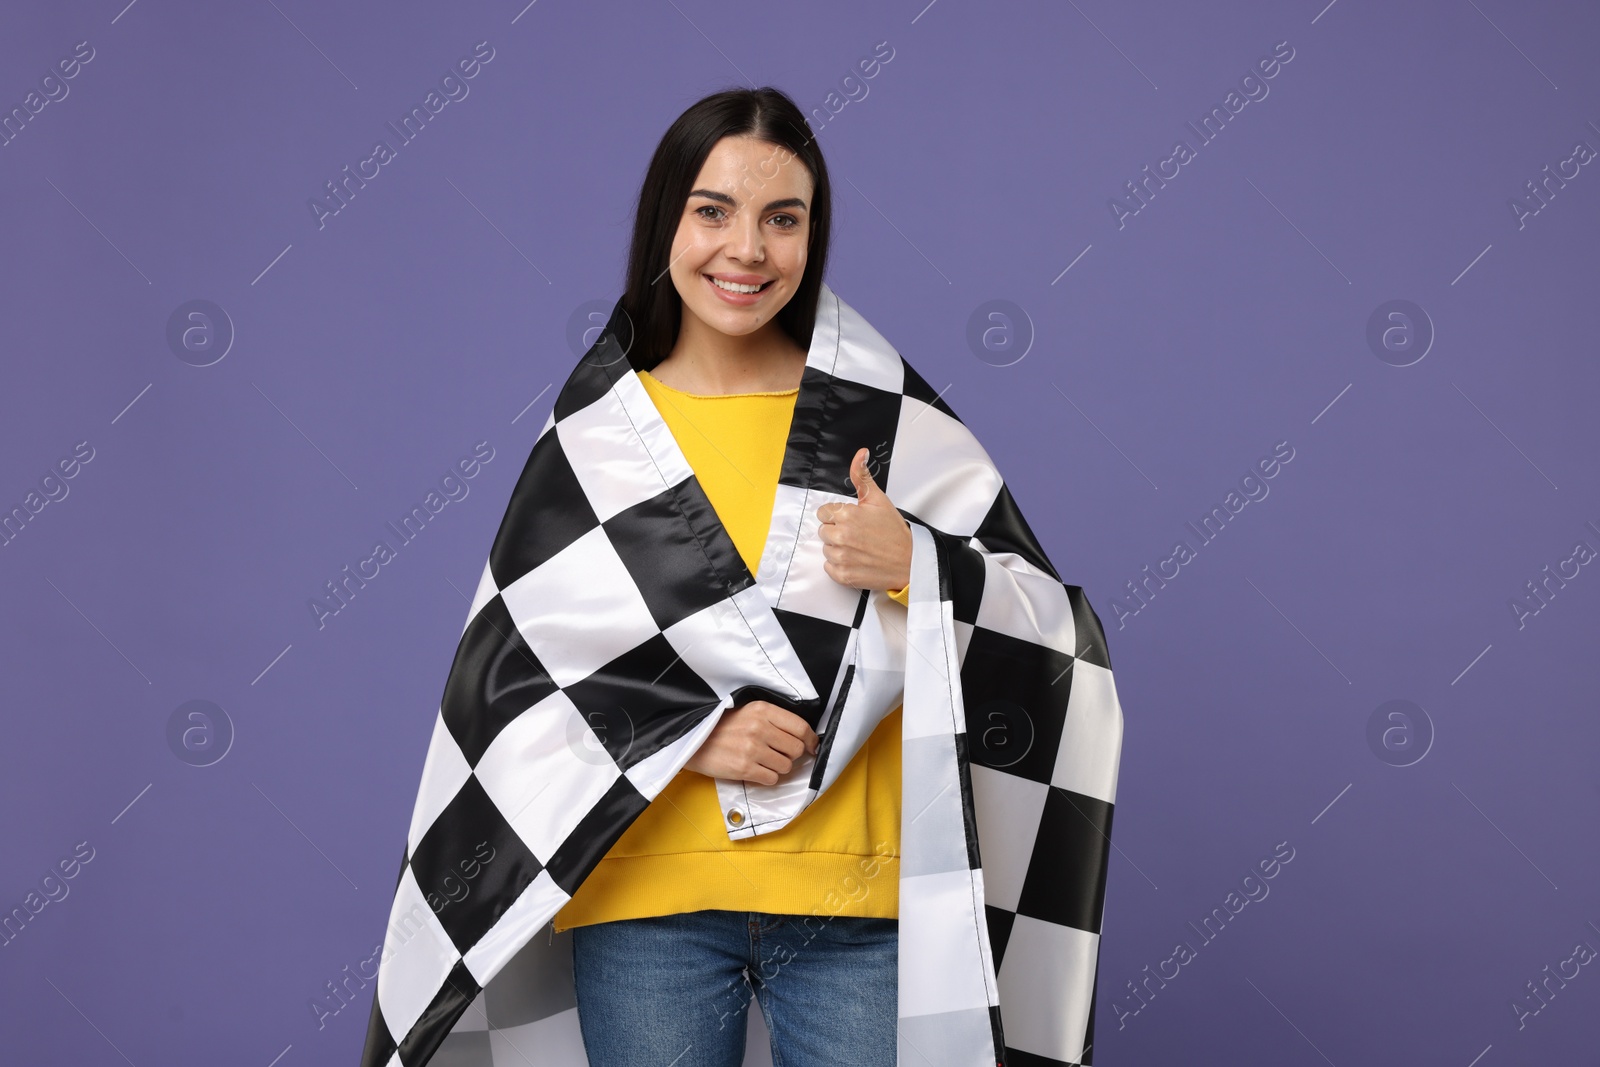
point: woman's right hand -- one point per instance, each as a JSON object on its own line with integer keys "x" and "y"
{"x": 756, "y": 742}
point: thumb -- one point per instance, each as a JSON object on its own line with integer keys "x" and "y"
{"x": 867, "y": 490}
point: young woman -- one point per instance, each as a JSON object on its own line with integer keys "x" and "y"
{"x": 709, "y": 662}
{"x": 679, "y": 927}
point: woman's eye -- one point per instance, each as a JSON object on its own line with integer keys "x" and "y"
{"x": 785, "y": 222}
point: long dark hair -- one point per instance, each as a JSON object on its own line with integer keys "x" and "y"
{"x": 650, "y": 300}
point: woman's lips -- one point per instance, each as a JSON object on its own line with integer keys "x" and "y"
{"x": 738, "y": 299}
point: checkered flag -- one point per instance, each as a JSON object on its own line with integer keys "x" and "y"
{"x": 616, "y": 621}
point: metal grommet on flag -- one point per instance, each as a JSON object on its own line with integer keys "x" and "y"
{"x": 736, "y": 816}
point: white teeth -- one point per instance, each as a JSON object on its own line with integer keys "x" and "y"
{"x": 734, "y": 287}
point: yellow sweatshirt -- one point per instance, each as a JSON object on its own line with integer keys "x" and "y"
{"x": 838, "y": 857}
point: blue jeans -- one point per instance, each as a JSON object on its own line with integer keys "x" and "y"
{"x": 672, "y": 991}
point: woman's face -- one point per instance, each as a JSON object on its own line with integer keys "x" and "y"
{"x": 747, "y": 221}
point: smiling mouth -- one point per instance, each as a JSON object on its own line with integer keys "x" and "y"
{"x": 739, "y": 291}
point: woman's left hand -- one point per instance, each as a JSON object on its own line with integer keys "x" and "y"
{"x": 866, "y": 545}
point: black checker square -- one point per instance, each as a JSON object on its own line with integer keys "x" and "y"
{"x": 917, "y": 387}
{"x": 999, "y": 921}
{"x": 598, "y": 370}
{"x": 1073, "y": 846}
{"x": 820, "y": 644}
{"x": 1091, "y": 635}
{"x": 677, "y": 553}
{"x": 1003, "y": 529}
{"x": 595, "y": 833}
{"x": 805, "y": 423}
{"x": 1016, "y": 678}
{"x": 969, "y": 807}
{"x": 642, "y": 701}
{"x": 548, "y": 511}
{"x": 495, "y": 678}
{"x": 842, "y": 418}
{"x": 962, "y": 574}
{"x": 460, "y": 989}
{"x": 471, "y": 847}
{"x": 996, "y": 1033}
{"x": 1019, "y": 1058}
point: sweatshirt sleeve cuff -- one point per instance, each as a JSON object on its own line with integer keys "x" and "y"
{"x": 901, "y": 595}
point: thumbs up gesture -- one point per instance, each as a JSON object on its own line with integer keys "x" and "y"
{"x": 865, "y": 545}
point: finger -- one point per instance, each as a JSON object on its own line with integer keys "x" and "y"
{"x": 795, "y": 726}
{"x": 776, "y": 762}
{"x": 866, "y": 486}
{"x": 785, "y": 743}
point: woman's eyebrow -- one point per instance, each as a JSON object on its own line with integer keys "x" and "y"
{"x": 724, "y": 198}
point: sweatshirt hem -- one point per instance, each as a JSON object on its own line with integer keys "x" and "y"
{"x": 772, "y": 882}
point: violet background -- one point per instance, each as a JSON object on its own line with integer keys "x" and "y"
{"x": 434, "y": 311}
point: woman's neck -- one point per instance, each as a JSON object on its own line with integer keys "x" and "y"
{"x": 709, "y": 362}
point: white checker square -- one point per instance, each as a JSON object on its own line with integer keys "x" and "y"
{"x": 806, "y": 587}
{"x": 861, "y": 350}
{"x": 1093, "y": 724}
{"x": 932, "y": 832}
{"x": 882, "y": 644}
{"x": 738, "y": 641}
{"x": 1011, "y": 560}
{"x": 580, "y": 609}
{"x": 926, "y": 615}
{"x": 531, "y": 912}
{"x": 963, "y": 640}
{"x": 933, "y": 699}
{"x": 1045, "y": 979}
{"x": 789, "y": 505}
{"x": 1025, "y": 605}
{"x": 549, "y": 751}
{"x": 617, "y": 471}
{"x": 714, "y": 642}
{"x": 874, "y": 695}
{"x": 940, "y": 472}
{"x": 653, "y": 429}
{"x": 417, "y": 958}
{"x": 1008, "y": 809}
{"x": 944, "y": 969}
